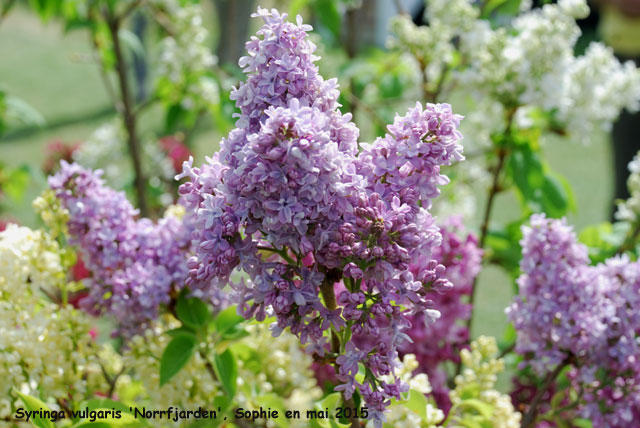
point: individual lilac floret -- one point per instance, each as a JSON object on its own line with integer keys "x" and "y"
{"x": 135, "y": 264}
{"x": 583, "y": 317}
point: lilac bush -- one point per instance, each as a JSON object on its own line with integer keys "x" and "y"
{"x": 291, "y": 202}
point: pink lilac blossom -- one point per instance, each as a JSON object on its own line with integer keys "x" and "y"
{"x": 134, "y": 263}
{"x": 585, "y": 317}
{"x": 288, "y": 201}
{"x": 442, "y": 342}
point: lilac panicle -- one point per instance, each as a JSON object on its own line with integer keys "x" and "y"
{"x": 289, "y": 201}
{"x": 586, "y": 317}
{"x": 135, "y": 263}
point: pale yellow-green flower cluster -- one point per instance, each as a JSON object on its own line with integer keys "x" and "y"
{"x": 45, "y": 350}
{"x": 475, "y": 401}
{"x": 190, "y": 388}
{"x": 186, "y": 59}
{"x": 283, "y": 370}
{"x": 52, "y": 213}
{"x": 29, "y": 263}
{"x": 477, "y": 381}
{"x": 629, "y": 209}
{"x": 281, "y": 373}
{"x": 399, "y": 414}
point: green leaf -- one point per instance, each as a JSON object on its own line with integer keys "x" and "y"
{"x": 16, "y": 183}
{"x": 181, "y": 330}
{"x": 417, "y": 403}
{"x": 227, "y": 371}
{"x": 582, "y": 423}
{"x": 177, "y": 353}
{"x": 45, "y": 8}
{"x": 557, "y": 398}
{"x": 555, "y": 201}
{"x": 490, "y": 6}
{"x": 35, "y": 404}
{"x": 526, "y": 171}
{"x": 484, "y": 409}
{"x": 470, "y": 421}
{"x": 228, "y": 322}
{"x": 192, "y": 311}
{"x": 329, "y": 17}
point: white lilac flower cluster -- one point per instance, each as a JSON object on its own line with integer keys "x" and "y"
{"x": 29, "y": 259}
{"x": 284, "y": 372}
{"x": 34, "y": 329}
{"x": 529, "y": 61}
{"x": 476, "y": 383}
{"x": 629, "y": 209}
{"x": 478, "y": 379}
{"x": 185, "y": 59}
{"x": 523, "y": 68}
{"x": 189, "y": 388}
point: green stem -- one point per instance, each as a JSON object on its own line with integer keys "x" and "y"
{"x": 530, "y": 417}
{"x": 329, "y": 297}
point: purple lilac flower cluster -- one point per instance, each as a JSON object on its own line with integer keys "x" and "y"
{"x": 585, "y": 317}
{"x": 326, "y": 236}
{"x": 134, "y": 263}
{"x": 460, "y": 255}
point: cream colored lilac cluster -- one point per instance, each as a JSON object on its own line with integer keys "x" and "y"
{"x": 478, "y": 379}
{"x": 29, "y": 262}
{"x": 629, "y": 210}
{"x": 185, "y": 59}
{"x": 528, "y": 62}
{"x": 399, "y": 415}
{"x": 190, "y": 388}
{"x": 283, "y": 372}
{"x": 34, "y": 329}
{"x": 476, "y": 383}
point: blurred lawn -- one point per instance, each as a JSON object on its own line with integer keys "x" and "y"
{"x": 53, "y": 72}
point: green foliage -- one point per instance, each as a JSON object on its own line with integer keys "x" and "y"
{"x": 503, "y": 249}
{"x": 193, "y": 312}
{"x": 176, "y": 355}
{"x": 538, "y": 188}
{"x": 226, "y": 369}
{"x": 34, "y": 404}
{"x": 14, "y": 183}
{"x": 229, "y": 325}
{"x": 417, "y": 403}
{"x": 331, "y": 402}
{"x": 604, "y": 239}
